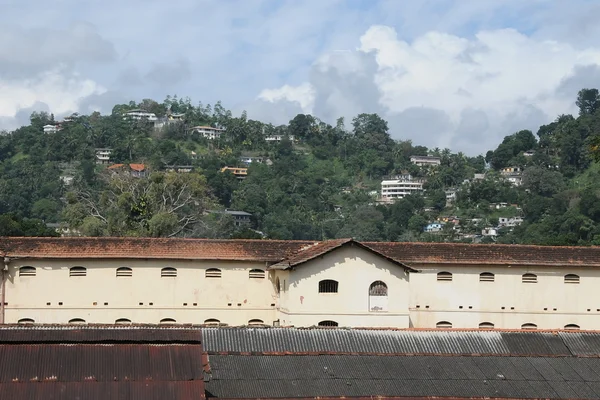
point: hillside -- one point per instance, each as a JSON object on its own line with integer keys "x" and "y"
{"x": 159, "y": 169}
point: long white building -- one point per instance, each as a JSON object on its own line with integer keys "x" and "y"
{"x": 400, "y": 186}
{"x": 300, "y": 283}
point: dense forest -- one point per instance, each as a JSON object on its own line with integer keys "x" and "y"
{"x": 317, "y": 182}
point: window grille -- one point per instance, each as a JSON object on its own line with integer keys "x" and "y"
{"x": 486, "y": 325}
{"x": 529, "y": 278}
{"x": 378, "y": 288}
{"x": 257, "y": 274}
{"x": 328, "y": 323}
{"x": 168, "y": 272}
{"x": 212, "y": 273}
{"x": 77, "y": 271}
{"x": 27, "y": 271}
{"x": 571, "y": 278}
{"x": 328, "y": 286}
{"x": 444, "y": 324}
{"x": 486, "y": 277}
{"x": 444, "y": 276}
{"x": 124, "y": 272}
{"x": 529, "y": 326}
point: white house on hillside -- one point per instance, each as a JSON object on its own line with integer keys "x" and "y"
{"x": 208, "y": 131}
{"x": 139, "y": 115}
{"x": 400, "y": 186}
{"x": 424, "y": 161}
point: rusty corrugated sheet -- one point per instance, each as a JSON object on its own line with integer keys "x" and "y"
{"x": 98, "y": 334}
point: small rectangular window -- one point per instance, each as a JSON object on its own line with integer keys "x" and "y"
{"x": 212, "y": 273}
{"x": 257, "y": 274}
{"x": 168, "y": 272}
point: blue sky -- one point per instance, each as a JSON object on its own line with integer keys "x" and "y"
{"x": 458, "y": 74}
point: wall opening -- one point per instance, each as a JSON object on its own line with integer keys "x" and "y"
{"x": 256, "y": 322}
{"x": 328, "y": 323}
{"x": 123, "y": 321}
{"x": 27, "y": 271}
{"x": 444, "y": 276}
{"x": 212, "y": 273}
{"x": 378, "y": 296}
{"x": 486, "y": 325}
{"x": 26, "y": 321}
{"x": 212, "y": 322}
{"x": 77, "y": 271}
{"x": 572, "y": 327}
{"x": 256, "y": 274}
{"x": 529, "y": 278}
{"x": 168, "y": 272}
{"x": 77, "y": 321}
{"x": 529, "y": 326}
{"x": 444, "y": 325}
{"x": 486, "y": 277}
{"x": 124, "y": 272}
{"x": 167, "y": 321}
{"x": 572, "y": 278}
{"x": 328, "y": 286}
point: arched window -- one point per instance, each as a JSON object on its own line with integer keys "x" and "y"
{"x": 529, "y": 278}
{"x": 486, "y": 277}
{"x": 328, "y": 323}
{"x": 123, "y": 321}
{"x": 529, "y": 326}
{"x": 168, "y": 321}
{"x": 486, "y": 325}
{"x": 168, "y": 272}
{"x": 378, "y": 288}
{"x": 444, "y": 276}
{"x": 212, "y": 273}
{"x": 124, "y": 272}
{"x": 26, "y": 321}
{"x": 78, "y": 321}
{"x": 257, "y": 274}
{"x": 27, "y": 271}
{"x": 256, "y": 322}
{"x": 277, "y": 285}
{"x": 328, "y": 286}
{"x": 571, "y": 278}
{"x": 212, "y": 322}
{"x": 77, "y": 271}
{"x": 572, "y": 327}
{"x": 444, "y": 324}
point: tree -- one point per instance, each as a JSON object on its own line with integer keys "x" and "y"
{"x": 588, "y": 101}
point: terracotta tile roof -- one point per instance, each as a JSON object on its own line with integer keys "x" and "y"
{"x": 137, "y": 167}
{"x": 117, "y": 247}
{"x": 321, "y": 248}
{"x": 498, "y": 254}
{"x": 115, "y": 166}
{"x": 291, "y": 253}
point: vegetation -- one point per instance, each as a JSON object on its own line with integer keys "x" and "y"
{"x": 320, "y": 181}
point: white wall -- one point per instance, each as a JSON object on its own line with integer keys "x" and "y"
{"x": 550, "y": 303}
{"x": 355, "y": 269}
{"x": 233, "y": 299}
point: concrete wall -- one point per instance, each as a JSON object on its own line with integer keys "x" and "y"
{"x": 507, "y": 302}
{"x": 102, "y": 297}
{"x": 355, "y": 269}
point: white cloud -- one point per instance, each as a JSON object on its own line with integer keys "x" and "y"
{"x": 303, "y": 94}
{"x": 487, "y": 86}
{"x": 60, "y": 92}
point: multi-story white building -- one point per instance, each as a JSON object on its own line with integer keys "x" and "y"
{"x": 302, "y": 283}
{"x": 278, "y": 138}
{"x": 400, "y": 186}
{"x": 425, "y": 161}
{"x": 140, "y": 115}
{"x": 103, "y": 156}
{"x": 208, "y": 131}
{"x": 51, "y": 128}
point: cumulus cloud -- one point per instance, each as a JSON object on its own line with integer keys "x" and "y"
{"x": 303, "y": 95}
{"x": 446, "y": 90}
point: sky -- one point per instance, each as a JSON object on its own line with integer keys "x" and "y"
{"x": 457, "y": 74}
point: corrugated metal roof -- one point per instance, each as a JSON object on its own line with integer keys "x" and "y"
{"x": 93, "y": 362}
{"x": 367, "y": 341}
{"x": 288, "y": 376}
{"x": 98, "y": 334}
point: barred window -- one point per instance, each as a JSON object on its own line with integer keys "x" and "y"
{"x": 444, "y": 276}
{"x": 529, "y": 278}
{"x": 571, "y": 278}
{"x": 486, "y": 325}
{"x": 27, "y": 271}
{"x": 168, "y": 321}
{"x": 26, "y": 321}
{"x": 378, "y": 288}
{"x": 486, "y": 277}
{"x": 79, "y": 321}
{"x": 212, "y": 322}
{"x": 257, "y": 274}
{"x": 529, "y": 326}
{"x": 77, "y": 271}
{"x": 212, "y": 273}
{"x": 168, "y": 272}
{"x": 328, "y": 323}
{"x": 572, "y": 327}
{"x": 124, "y": 272}
{"x": 255, "y": 322}
{"x": 444, "y": 324}
{"x": 328, "y": 286}
{"x": 123, "y": 321}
